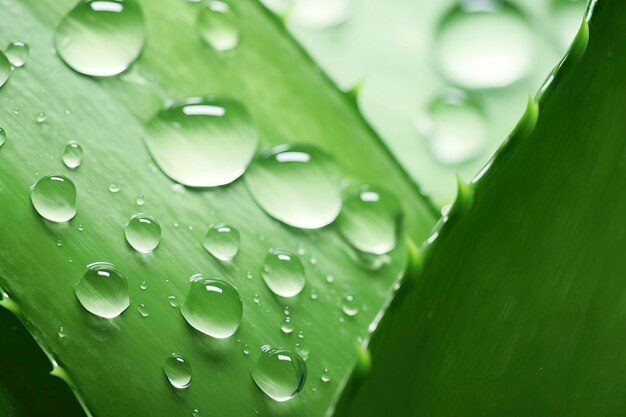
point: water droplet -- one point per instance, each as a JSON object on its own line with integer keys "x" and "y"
{"x": 5, "y": 69}
{"x": 101, "y": 37}
{"x": 222, "y": 241}
{"x": 140, "y": 200}
{"x": 300, "y": 334}
{"x": 114, "y": 188}
{"x": 143, "y": 285}
{"x": 41, "y": 117}
{"x": 202, "y": 142}
{"x": 325, "y": 376}
{"x": 474, "y": 44}
{"x": 143, "y": 310}
{"x": 177, "y": 371}
{"x": 256, "y": 299}
{"x": 283, "y": 273}
{"x": 196, "y": 412}
{"x": 212, "y": 307}
{"x": 320, "y": 14}
{"x": 330, "y": 279}
{"x": 3, "y": 136}
{"x": 17, "y": 53}
{"x": 172, "y": 300}
{"x": 54, "y": 198}
{"x": 279, "y": 373}
{"x": 313, "y": 294}
{"x": 454, "y": 127}
{"x": 286, "y": 327}
{"x": 61, "y": 333}
{"x": 349, "y": 306}
{"x": 369, "y": 220}
{"x": 246, "y": 349}
{"x": 72, "y": 155}
{"x": 81, "y": 227}
{"x": 218, "y": 25}
{"x": 143, "y": 233}
{"x": 296, "y": 184}
{"x": 103, "y": 290}
{"x": 59, "y": 243}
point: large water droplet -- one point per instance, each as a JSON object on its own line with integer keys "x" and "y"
{"x": 54, "y": 198}
{"x": 5, "y": 69}
{"x": 177, "y": 371}
{"x": 279, "y": 373}
{"x": 369, "y": 220}
{"x": 17, "y": 53}
{"x": 283, "y": 273}
{"x": 454, "y": 127}
{"x": 72, "y": 155}
{"x": 101, "y": 37}
{"x": 212, "y": 307}
{"x": 484, "y": 44}
{"x": 320, "y": 14}
{"x": 218, "y": 24}
{"x": 143, "y": 233}
{"x": 296, "y": 184}
{"x": 202, "y": 142}
{"x": 222, "y": 241}
{"x": 103, "y": 290}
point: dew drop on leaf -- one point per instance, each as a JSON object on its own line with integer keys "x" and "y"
{"x": 54, "y": 198}
{"x": 177, "y": 371}
{"x": 279, "y": 373}
{"x": 103, "y": 290}
{"x": 101, "y": 37}
{"x": 349, "y": 306}
{"x": 325, "y": 376}
{"x": 219, "y": 25}
{"x": 369, "y": 220}
{"x": 5, "y": 69}
{"x": 72, "y": 155}
{"x": 286, "y": 327}
{"x": 283, "y": 273}
{"x": 222, "y": 241}
{"x": 202, "y": 142}
{"x": 454, "y": 127}
{"x": 143, "y": 310}
{"x": 296, "y": 184}
{"x": 212, "y": 307}
{"x": 473, "y": 44}
{"x": 143, "y": 233}
{"x": 17, "y": 53}
{"x": 40, "y": 117}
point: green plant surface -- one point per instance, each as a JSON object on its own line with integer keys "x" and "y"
{"x": 519, "y": 310}
{"x": 388, "y": 49}
{"x": 114, "y": 366}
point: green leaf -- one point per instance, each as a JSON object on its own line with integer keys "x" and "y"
{"x": 520, "y": 307}
{"x": 115, "y": 366}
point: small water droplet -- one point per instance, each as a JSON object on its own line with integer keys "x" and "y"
{"x": 202, "y": 142}
{"x": 279, "y": 373}
{"x": 349, "y": 306}
{"x": 101, "y": 37}
{"x": 454, "y": 127}
{"x": 114, "y": 188}
{"x": 17, "y": 53}
{"x": 246, "y": 349}
{"x": 177, "y": 371}
{"x": 212, "y": 307}
{"x": 256, "y": 299}
{"x": 61, "y": 333}
{"x": 103, "y": 290}
{"x": 300, "y": 334}
{"x": 296, "y": 184}
{"x": 143, "y": 310}
{"x": 5, "y": 70}
{"x": 59, "y": 243}
{"x": 72, "y": 155}
{"x": 369, "y": 220}
{"x": 249, "y": 275}
{"x": 283, "y": 273}
{"x": 286, "y": 327}
{"x": 140, "y": 200}
{"x": 172, "y": 300}
{"x": 330, "y": 279}
{"x": 320, "y": 14}
{"x": 218, "y": 25}
{"x": 41, "y": 117}
{"x": 222, "y": 241}
{"x": 143, "y": 285}
{"x": 143, "y": 233}
{"x": 54, "y": 198}
{"x": 196, "y": 412}
{"x": 474, "y": 44}
{"x": 81, "y": 227}
{"x": 3, "y": 136}
{"x": 325, "y": 376}
{"x": 313, "y": 294}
